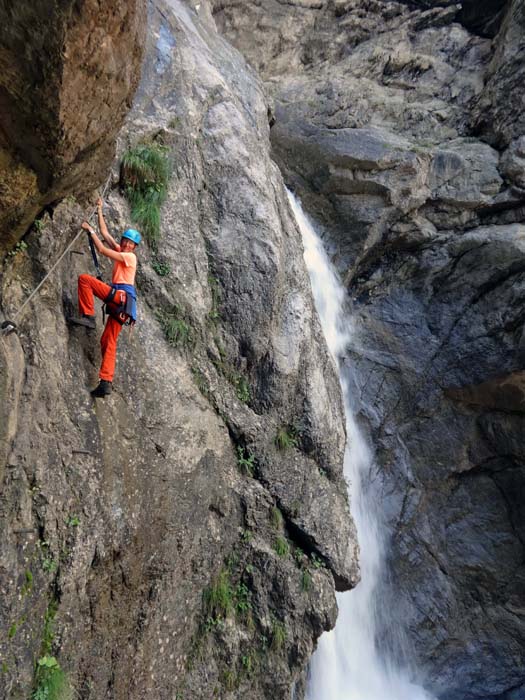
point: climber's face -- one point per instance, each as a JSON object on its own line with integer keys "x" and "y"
{"x": 126, "y": 246}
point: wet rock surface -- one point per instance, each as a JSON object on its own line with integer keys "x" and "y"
{"x": 401, "y": 127}
{"x": 121, "y": 517}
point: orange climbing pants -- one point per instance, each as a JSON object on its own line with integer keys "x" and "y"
{"x": 88, "y": 288}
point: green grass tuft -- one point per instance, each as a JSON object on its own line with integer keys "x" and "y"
{"x": 245, "y": 461}
{"x": 177, "y": 330}
{"x": 51, "y": 682}
{"x": 200, "y": 381}
{"x": 48, "y": 633}
{"x": 306, "y": 580}
{"x": 145, "y": 176}
{"x": 286, "y": 438}
{"x": 276, "y": 517}
{"x": 278, "y": 635}
{"x": 242, "y": 388}
{"x": 219, "y": 597}
{"x": 281, "y": 546}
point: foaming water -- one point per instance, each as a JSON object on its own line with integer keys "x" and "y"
{"x": 347, "y": 664}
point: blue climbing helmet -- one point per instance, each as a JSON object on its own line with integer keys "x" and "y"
{"x": 132, "y": 235}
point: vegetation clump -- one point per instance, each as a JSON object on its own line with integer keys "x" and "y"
{"x": 245, "y": 461}
{"x": 51, "y": 682}
{"x": 20, "y": 247}
{"x": 161, "y": 268}
{"x": 281, "y": 546}
{"x": 177, "y": 330}
{"x": 219, "y": 597}
{"x": 278, "y": 635}
{"x": 145, "y": 176}
{"x": 276, "y": 517}
{"x": 286, "y": 437}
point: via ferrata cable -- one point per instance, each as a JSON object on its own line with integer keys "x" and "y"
{"x": 10, "y": 326}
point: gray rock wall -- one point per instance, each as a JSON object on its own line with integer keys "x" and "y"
{"x": 401, "y": 128}
{"x": 117, "y": 516}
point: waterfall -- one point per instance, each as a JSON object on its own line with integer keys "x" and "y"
{"x": 348, "y": 664}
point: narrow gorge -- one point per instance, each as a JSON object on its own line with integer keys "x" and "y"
{"x": 192, "y": 536}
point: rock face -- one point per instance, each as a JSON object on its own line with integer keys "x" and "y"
{"x": 69, "y": 73}
{"x": 401, "y": 128}
{"x": 159, "y": 543}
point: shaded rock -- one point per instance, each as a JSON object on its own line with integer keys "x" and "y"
{"x": 69, "y": 73}
{"x": 499, "y": 116}
{"x": 513, "y": 162}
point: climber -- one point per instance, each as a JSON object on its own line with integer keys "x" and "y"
{"x": 119, "y": 297}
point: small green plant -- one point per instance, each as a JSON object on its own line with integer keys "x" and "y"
{"x": 317, "y": 563}
{"x": 219, "y": 597}
{"x": 212, "y": 623}
{"x": 48, "y": 633}
{"x": 216, "y": 298}
{"x": 232, "y": 561}
{"x": 239, "y": 382}
{"x": 281, "y": 546}
{"x": 49, "y": 565}
{"x": 39, "y": 225}
{"x": 247, "y": 663}
{"x": 278, "y": 635}
{"x": 242, "y": 388}
{"x": 246, "y": 535}
{"x": 306, "y": 580}
{"x": 200, "y": 381}
{"x": 5, "y": 667}
{"x": 12, "y": 630}
{"x": 73, "y": 521}
{"x": 145, "y": 176}
{"x": 19, "y": 248}
{"x": 229, "y": 679}
{"x": 162, "y": 269}
{"x": 243, "y": 599}
{"x": 174, "y": 122}
{"x": 51, "y": 682}
{"x": 286, "y": 438}
{"x": 276, "y": 517}
{"x": 28, "y": 583}
{"x": 245, "y": 461}
{"x": 176, "y": 329}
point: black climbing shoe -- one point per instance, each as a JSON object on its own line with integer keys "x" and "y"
{"x": 84, "y": 320}
{"x": 103, "y": 389}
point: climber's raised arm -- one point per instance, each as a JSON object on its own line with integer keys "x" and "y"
{"x": 104, "y": 229}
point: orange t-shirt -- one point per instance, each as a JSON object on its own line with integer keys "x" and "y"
{"x": 124, "y": 272}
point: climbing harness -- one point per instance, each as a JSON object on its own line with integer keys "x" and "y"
{"x": 10, "y": 326}
{"x": 120, "y": 304}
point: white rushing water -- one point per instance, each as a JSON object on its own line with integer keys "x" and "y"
{"x": 347, "y": 664}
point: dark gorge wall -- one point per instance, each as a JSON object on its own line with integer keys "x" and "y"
{"x": 401, "y": 128}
